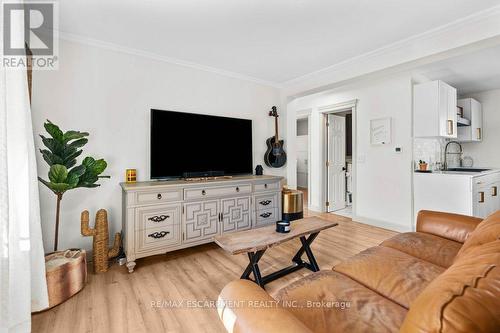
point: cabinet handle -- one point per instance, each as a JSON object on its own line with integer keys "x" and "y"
{"x": 160, "y": 234}
{"x": 158, "y": 218}
{"x": 450, "y": 127}
{"x": 159, "y": 196}
{"x": 265, "y": 185}
{"x": 203, "y": 192}
{"x": 265, "y": 215}
{"x": 265, "y": 202}
{"x": 481, "y": 197}
{"x": 237, "y": 189}
{"x": 478, "y": 133}
{"x": 494, "y": 191}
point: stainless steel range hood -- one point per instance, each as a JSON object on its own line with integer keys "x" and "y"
{"x": 461, "y": 121}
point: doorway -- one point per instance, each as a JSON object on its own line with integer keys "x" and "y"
{"x": 339, "y": 162}
{"x": 302, "y": 144}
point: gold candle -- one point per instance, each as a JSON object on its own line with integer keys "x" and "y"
{"x": 131, "y": 175}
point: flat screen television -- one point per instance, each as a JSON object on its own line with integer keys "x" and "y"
{"x": 196, "y": 143}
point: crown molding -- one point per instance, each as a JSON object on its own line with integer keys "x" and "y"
{"x": 464, "y": 31}
{"x": 154, "y": 56}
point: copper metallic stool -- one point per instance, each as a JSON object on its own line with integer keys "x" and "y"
{"x": 293, "y": 205}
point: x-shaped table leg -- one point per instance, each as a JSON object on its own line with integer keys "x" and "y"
{"x": 254, "y": 257}
{"x": 253, "y": 267}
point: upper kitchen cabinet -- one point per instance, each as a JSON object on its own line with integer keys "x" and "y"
{"x": 471, "y": 110}
{"x": 435, "y": 110}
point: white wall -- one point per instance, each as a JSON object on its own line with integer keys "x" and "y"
{"x": 109, "y": 94}
{"x": 383, "y": 179}
{"x": 486, "y": 153}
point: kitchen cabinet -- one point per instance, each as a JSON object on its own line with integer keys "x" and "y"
{"x": 475, "y": 194}
{"x": 435, "y": 110}
{"x": 486, "y": 199}
{"x": 472, "y": 111}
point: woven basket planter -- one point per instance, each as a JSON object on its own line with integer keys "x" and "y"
{"x": 66, "y": 273}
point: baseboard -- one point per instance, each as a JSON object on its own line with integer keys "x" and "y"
{"x": 315, "y": 208}
{"x": 381, "y": 224}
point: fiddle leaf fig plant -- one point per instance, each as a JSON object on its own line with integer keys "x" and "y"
{"x": 62, "y": 150}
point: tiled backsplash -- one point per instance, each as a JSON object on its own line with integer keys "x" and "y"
{"x": 430, "y": 150}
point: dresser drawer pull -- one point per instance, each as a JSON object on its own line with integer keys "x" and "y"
{"x": 265, "y": 215}
{"x": 237, "y": 189}
{"x": 158, "y": 218}
{"x": 481, "y": 197}
{"x": 203, "y": 192}
{"x": 494, "y": 191}
{"x": 265, "y": 202}
{"x": 265, "y": 185}
{"x": 160, "y": 234}
{"x": 159, "y": 196}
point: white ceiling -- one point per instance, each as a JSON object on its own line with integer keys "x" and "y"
{"x": 469, "y": 73}
{"x": 271, "y": 40}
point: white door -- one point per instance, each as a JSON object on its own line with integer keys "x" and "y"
{"x": 336, "y": 162}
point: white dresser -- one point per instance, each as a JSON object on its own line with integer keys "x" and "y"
{"x": 163, "y": 216}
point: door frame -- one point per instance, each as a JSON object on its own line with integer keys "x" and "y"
{"x": 306, "y": 114}
{"x": 337, "y": 108}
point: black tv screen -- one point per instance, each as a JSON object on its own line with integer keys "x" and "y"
{"x": 196, "y": 143}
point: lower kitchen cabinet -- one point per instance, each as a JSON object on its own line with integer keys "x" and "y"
{"x": 460, "y": 193}
{"x": 486, "y": 199}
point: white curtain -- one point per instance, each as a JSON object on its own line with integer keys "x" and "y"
{"x": 22, "y": 266}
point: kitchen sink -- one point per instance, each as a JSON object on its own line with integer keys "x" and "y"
{"x": 467, "y": 169}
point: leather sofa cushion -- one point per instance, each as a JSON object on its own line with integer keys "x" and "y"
{"x": 367, "y": 311}
{"x": 434, "y": 249}
{"x": 244, "y": 307}
{"x": 466, "y": 298}
{"x": 392, "y": 273}
{"x": 487, "y": 231}
{"x": 455, "y": 227}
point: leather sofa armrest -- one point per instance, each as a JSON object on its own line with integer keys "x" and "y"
{"x": 447, "y": 225}
{"x": 245, "y": 307}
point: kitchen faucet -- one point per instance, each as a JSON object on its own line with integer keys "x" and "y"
{"x": 446, "y": 153}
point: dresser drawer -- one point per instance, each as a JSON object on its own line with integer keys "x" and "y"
{"x": 262, "y": 187}
{"x": 266, "y": 216}
{"x": 157, "y": 216}
{"x": 486, "y": 179}
{"x": 213, "y": 192}
{"x": 266, "y": 201}
{"x": 154, "y": 238}
{"x": 158, "y": 196}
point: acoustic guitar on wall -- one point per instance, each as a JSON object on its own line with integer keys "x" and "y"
{"x": 275, "y": 155}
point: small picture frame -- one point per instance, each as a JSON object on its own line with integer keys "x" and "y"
{"x": 380, "y": 131}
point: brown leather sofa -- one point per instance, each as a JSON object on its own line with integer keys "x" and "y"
{"x": 445, "y": 277}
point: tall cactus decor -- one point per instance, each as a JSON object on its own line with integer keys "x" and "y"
{"x": 101, "y": 253}
{"x": 62, "y": 150}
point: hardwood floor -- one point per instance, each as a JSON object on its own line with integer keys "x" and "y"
{"x": 117, "y": 301}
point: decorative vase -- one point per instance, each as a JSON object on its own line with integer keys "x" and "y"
{"x": 66, "y": 274}
{"x": 422, "y": 166}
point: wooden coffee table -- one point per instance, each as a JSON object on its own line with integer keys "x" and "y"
{"x": 256, "y": 241}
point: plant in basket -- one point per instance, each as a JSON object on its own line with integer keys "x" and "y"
{"x": 66, "y": 271}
